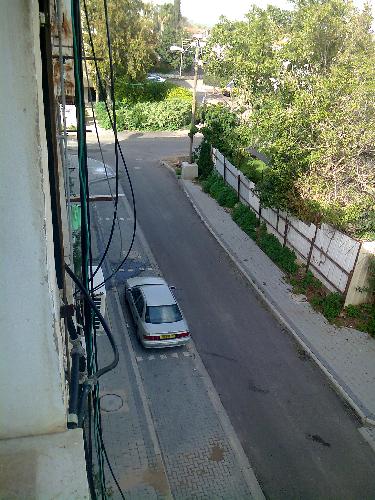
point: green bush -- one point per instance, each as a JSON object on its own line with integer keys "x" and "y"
{"x": 330, "y": 305}
{"x": 253, "y": 169}
{"x": 352, "y": 311}
{"x": 227, "y": 197}
{"x": 202, "y": 155}
{"x": 102, "y": 115}
{"x": 282, "y": 256}
{"x": 208, "y": 181}
{"x": 177, "y": 92}
{"x": 128, "y": 93}
{"x": 307, "y": 281}
{"x": 246, "y": 219}
{"x": 170, "y": 114}
{"x": 218, "y": 189}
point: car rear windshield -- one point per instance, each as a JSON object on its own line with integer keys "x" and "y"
{"x": 163, "y": 314}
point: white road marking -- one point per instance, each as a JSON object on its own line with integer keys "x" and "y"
{"x": 107, "y": 218}
{"x": 137, "y": 168}
{"x": 130, "y": 270}
{"x": 122, "y": 270}
{"x": 141, "y": 268}
{"x": 121, "y": 218}
{"x": 151, "y": 357}
{"x": 139, "y": 358}
{"x": 149, "y": 269}
{"x": 163, "y": 356}
{"x": 186, "y": 354}
{"x": 174, "y": 355}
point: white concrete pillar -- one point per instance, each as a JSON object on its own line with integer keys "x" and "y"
{"x": 358, "y": 289}
{"x": 32, "y": 380}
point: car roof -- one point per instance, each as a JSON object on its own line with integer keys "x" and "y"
{"x": 158, "y": 295}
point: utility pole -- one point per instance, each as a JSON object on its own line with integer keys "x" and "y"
{"x": 194, "y": 102}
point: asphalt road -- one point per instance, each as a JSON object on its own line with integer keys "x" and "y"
{"x": 299, "y": 436}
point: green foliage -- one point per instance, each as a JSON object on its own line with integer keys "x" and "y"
{"x": 280, "y": 255}
{"x": 306, "y": 79}
{"x": 304, "y": 281}
{"x": 202, "y": 155}
{"x": 352, "y": 311}
{"x": 330, "y": 305}
{"x": 148, "y": 106}
{"x": 132, "y": 37}
{"x": 170, "y": 114}
{"x": 219, "y": 123}
{"x": 218, "y": 189}
{"x": 102, "y": 115}
{"x": 246, "y": 219}
{"x": 177, "y": 92}
{"x": 128, "y": 93}
{"x": 254, "y": 169}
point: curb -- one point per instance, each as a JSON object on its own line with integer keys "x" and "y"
{"x": 166, "y": 165}
{"x": 365, "y": 415}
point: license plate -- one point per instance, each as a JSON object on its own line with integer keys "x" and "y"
{"x": 169, "y": 336}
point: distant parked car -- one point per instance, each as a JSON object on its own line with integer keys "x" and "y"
{"x": 154, "y": 77}
{"x": 157, "y": 316}
{"x": 228, "y": 89}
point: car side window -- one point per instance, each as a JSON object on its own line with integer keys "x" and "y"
{"x": 140, "y": 304}
{"x": 136, "y": 294}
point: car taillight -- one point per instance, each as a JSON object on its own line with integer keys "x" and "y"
{"x": 182, "y": 334}
{"x": 151, "y": 337}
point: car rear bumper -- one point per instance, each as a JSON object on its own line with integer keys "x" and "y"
{"x": 159, "y": 344}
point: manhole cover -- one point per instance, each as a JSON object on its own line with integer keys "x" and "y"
{"x": 111, "y": 402}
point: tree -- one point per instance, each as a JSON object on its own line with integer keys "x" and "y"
{"x": 308, "y": 79}
{"x": 132, "y": 37}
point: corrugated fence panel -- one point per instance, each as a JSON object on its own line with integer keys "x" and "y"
{"x": 333, "y": 253}
{"x": 300, "y": 237}
{"x": 231, "y": 175}
{"x": 282, "y": 218}
{"x": 244, "y": 189}
{"x": 340, "y": 247}
{"x": 270, "y": 216}
{"x": 334, "y": 278}
{"x": 253, "y": 199}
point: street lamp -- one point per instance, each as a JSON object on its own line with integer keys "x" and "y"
{"x": 197, "y": 43}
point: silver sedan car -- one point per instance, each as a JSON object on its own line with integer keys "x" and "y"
{"x": 159, "y": 321}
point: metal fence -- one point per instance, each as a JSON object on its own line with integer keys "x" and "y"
{"x": 329, "y": 254}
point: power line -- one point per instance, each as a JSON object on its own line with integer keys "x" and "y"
{"x": 104, "y": 164}
{"x": 117, "y": 144}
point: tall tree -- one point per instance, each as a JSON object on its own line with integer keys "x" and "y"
{"x": 132, "y": 37}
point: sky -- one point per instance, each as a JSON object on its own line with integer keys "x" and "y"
{"x": 207, "y": 12}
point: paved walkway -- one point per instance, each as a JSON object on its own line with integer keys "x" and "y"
{"x": 347, "y": 356}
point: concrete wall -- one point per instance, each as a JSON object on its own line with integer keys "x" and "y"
{"x": 32, "y": 381}
{"x": 358, "y": 289}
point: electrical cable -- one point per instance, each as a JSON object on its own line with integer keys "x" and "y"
{"x": 102, "y": 157}
{"x": 117, "y": 144}
{"x": 114, "y": 126}
{"x": 107, "y": 330}
{"x": 110, "y": 467}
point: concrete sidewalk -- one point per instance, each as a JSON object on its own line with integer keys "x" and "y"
{"x": 347, "y": 356}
